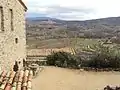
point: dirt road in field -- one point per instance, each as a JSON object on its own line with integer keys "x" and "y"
{"x": 52, "y": 78}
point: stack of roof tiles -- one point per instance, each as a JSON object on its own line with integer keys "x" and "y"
{"x": 20, "y": 80}
{"x": 111, "y": 88}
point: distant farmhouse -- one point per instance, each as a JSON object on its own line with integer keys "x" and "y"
{"x": 12, "y": 33}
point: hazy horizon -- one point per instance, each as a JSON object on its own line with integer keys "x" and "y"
{"x": 74, "y": 9}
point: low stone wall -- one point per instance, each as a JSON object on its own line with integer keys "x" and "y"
{"x": 40, "y": 60}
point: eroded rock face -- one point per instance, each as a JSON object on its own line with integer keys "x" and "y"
{"x": 13, "y": 37}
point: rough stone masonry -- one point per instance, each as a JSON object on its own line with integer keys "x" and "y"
{"x": 12, "y": 33}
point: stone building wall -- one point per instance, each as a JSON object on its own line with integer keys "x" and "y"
{"x": 9, "y": 49}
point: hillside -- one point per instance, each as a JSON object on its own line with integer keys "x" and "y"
{"x": 44, "y": 28}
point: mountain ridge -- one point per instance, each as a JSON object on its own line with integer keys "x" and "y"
{"x": 48, "y": 28}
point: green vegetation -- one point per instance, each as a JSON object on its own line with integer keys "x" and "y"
{"x": 63, "y": 59}
{"x": 102, "y": 57}
{"x": 96, "y": 42}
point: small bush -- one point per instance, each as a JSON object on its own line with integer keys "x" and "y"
{"x": 63, "y": 59}
{"x": 104, "y": 57}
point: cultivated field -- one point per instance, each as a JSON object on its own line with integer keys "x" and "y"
{"x": 60, "y": 43}
{"x": 45, "y": 47}
{"x": 53, "y": 78}
{"x": 45, "y": 52}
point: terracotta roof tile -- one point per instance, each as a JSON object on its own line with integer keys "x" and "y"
{"x": 16, "y": 80}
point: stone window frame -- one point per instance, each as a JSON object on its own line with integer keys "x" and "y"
{"x": 2, "y": 18}
{"x": 11, "y": 19}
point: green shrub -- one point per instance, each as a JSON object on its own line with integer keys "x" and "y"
{"x": 63, "y": 59}
{"x": 104, "y": 57}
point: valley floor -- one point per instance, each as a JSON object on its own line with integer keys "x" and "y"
{"x": 54, "y": 78}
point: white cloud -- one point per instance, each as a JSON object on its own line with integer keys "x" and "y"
{"x": 75, "y": 9}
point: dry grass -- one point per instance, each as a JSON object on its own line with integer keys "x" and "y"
{"x": 52, "y": 78}
{"x": 60, "y": 43}
{"x": 45, "y": 52}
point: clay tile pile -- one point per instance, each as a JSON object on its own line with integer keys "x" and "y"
{"x": 16, "y": 80}
{"x": 111, "y": 88}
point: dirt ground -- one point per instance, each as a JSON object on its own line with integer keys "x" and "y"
{"x": 53, "y": 78}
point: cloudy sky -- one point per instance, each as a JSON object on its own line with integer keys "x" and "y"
{"x": 73, "y": 9}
